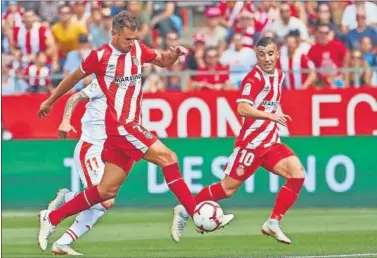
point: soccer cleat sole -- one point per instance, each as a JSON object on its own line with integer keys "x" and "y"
{"x": 270, "y": 235}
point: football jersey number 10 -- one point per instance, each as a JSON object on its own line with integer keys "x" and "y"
{"x": 246, "y": 158}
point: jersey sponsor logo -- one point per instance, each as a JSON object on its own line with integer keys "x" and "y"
{"x": 267, "y": 103}
{"x": 246, "y": 89}
{"x": 122, "y": 81}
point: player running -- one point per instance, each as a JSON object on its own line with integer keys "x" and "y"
{"x": 117, "y": 67}
{"x": 258, "y": 144}
{"x": 88, "y": 162}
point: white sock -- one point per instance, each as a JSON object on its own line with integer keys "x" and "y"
{"x": 69, "y": 196}
{"x": 83, "y": 223}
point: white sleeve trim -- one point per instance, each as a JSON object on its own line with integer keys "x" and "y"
{"x": 245, "y": 100}
{"x": 82, "y": 69}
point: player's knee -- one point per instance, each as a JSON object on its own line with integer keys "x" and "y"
{"x": 229, "y": 189}
{"x": 168, "y": 157}
{"x": 109, "y": 203}
{"x": 296, "y": 170}
{"x": 108, "y": 192}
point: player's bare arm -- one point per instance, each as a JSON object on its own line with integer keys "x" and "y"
{"x": 65, "y": 86}
{"x": 65, "y": 126}
{"x": 169, "y": 57}
{"x": 246, "y": 110}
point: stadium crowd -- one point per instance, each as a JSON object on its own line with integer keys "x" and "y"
{"x": 323, "y": 43}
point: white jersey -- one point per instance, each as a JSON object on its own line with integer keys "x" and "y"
{"x": 93, "y": 121}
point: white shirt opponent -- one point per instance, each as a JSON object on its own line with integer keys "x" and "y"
{"x": 93, "y": 121}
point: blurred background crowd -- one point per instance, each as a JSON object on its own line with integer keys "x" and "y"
{"x": 323, "y": 44}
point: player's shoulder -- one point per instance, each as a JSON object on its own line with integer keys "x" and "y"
{"x": 255, "y": 75}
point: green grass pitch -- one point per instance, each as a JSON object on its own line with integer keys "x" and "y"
{"x": 145, "y": 233}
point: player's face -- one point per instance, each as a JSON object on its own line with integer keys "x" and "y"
{"x": 267, "y": 57}
{"x": 124, "y": 39}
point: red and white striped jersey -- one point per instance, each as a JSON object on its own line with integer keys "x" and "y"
{"x": 120, "y": 79}
{"x": 231, "y": 13}
{"x": 17, "y": 16}
{"x": 263, "y": 91}
{"x": 37, "y": 76}
{"x": 33, "y": 41}
{"x": 247, "y": 36}
{"x": 293, "y": 66}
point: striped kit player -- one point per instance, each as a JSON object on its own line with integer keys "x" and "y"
{"x": 258, "y": 144}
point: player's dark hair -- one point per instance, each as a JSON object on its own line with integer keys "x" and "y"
{"x": 265, "y": 41}
{"x": 125, "y": 19}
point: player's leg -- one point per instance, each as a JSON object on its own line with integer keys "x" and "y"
{"x": 114, "y": 175}
{"x": 90, "y": 167}
{"x": 242, "y": 164}
{"x": 162, "y": 156}
{"x": 282, "y": 161}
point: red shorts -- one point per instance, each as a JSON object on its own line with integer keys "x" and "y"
{"x": 128, "y": 146}
{"x": 242, "y": 163}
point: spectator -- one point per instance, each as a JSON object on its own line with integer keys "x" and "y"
{"x": 287, "y": 22}
{"x": 214, "y": 32}
{"x": 74, "y": 59}
{"x": 239, "y": 59}
{"x": 325, "y": 17}
{"x": 361, "y": 74}
{"x": 328, "y": 56}
{"x": 303, "y": 46}
{"x": 66, "y": 32}
{"x": 38, "y": 74}
{"x": 217, "y": 76}
{"x": 80, "y": 13}
{"x": 264, "y": 16}
{"x": 175, "y": 82}
{"x": 143, "y": 18}
{"x": 230, "y": 12}
{"x": 32, "y": 38}
{"x": 48, "y": 10}
{"x": 367, "y": 50}
{"x": 349, "y": 15}
{"x": 195, "y": 58}
{"x": 100, "y": 32}
{"x": 246, "y": 26}
{"x": 292, "y": 61}
{"x": 13, "y": 14}
{"x": 362, "y": 30}
{"x": 165, "y": 17}
{"x": 152, "y": 82}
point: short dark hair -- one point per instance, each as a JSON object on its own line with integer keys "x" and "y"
{"x": 265, "y": 41}
{"x": 327, "y": 25}
{"x": 125, "y": 19}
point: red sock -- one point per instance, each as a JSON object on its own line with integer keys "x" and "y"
{"x": 178, "y": 186}
{"x": 213, "y": 192}
{"x": 287, "y": 197}
{"x": 80, "y": 202}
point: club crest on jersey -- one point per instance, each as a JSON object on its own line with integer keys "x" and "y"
{"x": 135, "y": 61}
{"x": 240, "y": 171}
{"x": 246, "y": 89}
{"x": 148, "y": 135}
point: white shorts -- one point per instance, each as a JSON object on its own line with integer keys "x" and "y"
{"x": 88, "y": 163}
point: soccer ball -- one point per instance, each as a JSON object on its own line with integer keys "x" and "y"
{"x": 208, "y": 216}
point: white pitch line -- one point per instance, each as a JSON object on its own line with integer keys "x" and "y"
{"x": 335, "y": 256}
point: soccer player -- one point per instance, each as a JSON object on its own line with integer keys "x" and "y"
{"x": 258, "y": 144}
{"x": 88, "y": 162}
{"x": 117, "y": 67}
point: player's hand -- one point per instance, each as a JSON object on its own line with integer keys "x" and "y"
{"x": 280, "y": 118}
{"x": 44, "y": 109}
{"x": 180, "y": 50}
{"x": 64, "y": 128}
